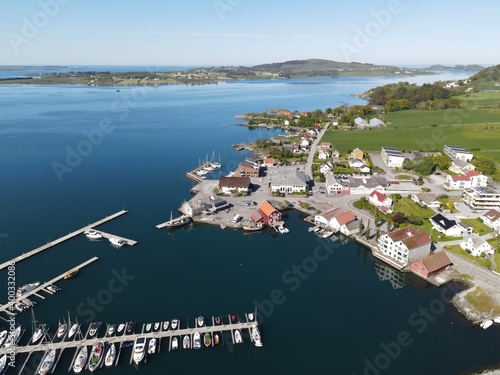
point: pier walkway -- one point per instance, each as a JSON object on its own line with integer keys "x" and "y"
{"x": 231, "y": 327}
{"x": 109, "y": 235}
{"x": 8, "y": 307}
{"x": 61, "y": 239}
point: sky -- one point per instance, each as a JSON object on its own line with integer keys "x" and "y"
{"x": 248, "y": 32}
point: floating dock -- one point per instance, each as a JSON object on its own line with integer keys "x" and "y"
{"x": 193, "y": 174}
{"x": 8, "y": 306}
{"x": 109, "y": 235}
{"x": 59, "y": 240}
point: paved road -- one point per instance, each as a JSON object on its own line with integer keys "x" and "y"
{"x": 310, "y": 158}
{"x": 466, "y": 267}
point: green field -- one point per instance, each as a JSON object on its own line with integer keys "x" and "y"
{"x": 415, "y": 119}
{"x": 481, "y": 100}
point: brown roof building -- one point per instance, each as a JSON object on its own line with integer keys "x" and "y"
{"x": 431, "y": 264}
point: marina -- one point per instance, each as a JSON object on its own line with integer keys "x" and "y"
{"x": 54, "y": 350}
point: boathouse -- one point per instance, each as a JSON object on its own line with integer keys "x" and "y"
{"x": 431, "y": 264}
{"x": 270, "y": 215}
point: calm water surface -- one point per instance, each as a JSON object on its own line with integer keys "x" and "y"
{"x": 325, "y": 306}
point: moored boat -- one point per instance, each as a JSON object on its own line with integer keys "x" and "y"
{"x": 256, "y": 337}
{"x": 237, "y": 337}
{"x": 174, "y": 324}
{"x": 27, "y": 288}
{"x": 250, "y": 316}
{"x": 152, "y": 346}
{"x": 186, "y": 342}
{"x": 217, "y": 319}
{"x": 13, "y": 337}
{"x": 165, "y": 325}
{"x": 200, "y": 321}
{"x": 61, "y": 330}
{"x": 117, "y": 241}
{"x": 81, "y": 359}
{"x": 178, "y": 221}
{"x": 139, "y": 349}
{"x": 196, "y": 340}
{"x": 148, "y": 327}
{"x": 156, "y": 326}
{"x": 486, "y": 324}
{"x": 94, "y": 326}
{"x": 3, "y": 336}
{"x": 47, "y": 362}
{"x": 92, "y": 234}
{"x": 252, "y": 227}
{"x": 110, "y": 356}
{"x": 70, "y": 274}
{"x": 121, "y": 326}
{"x": 207, "y": 339}
{"x": 96, "y": 356}
{"x": 216, "y": 339}
{"x": 37, "y": 335}
{"x": 111, "y": 329}
{"x": 3, "y": 363}
{"x": 72, "y": 330}
{"x": 130, "y": 327}
{"x": 175, "y": 343}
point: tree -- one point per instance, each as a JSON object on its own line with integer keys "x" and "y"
{"x": 361, "y": 226}
{"x": 368, "y": 230}
{"x": 443, "y": 161}
{"x": 485, "y": 164}
{"x": 399, "y": 218}
{"x": 377, "y": 234}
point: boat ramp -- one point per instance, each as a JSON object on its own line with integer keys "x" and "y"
{"x": 226, "y": 328}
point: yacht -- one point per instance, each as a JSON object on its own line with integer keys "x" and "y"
{"x": 72, "y": 330}
{"x": 217, "y": 319}
{"x": 237, "y": 337}
{"x": 3, "y": 363}
{"x": 111, "y": 330}
{"x": 37, "y": 335}
{"x": 3, "y": 337}
{"x": 47, "y": 362}
{"x": 121, "y": 326}
{"x": 152, "y": 346}
{"x": 92, "y": 234}
{"x": 70, "y": 274}
{"x": 130, "y": 327}
{"x": 139, "y": 349}
{"x": 196, "y": 340}
{"x": 96, "y": 356}
{"x": 186, "y": 342}
{"x": 52, "y": 288}
{"x": 117, "y": 242}
{"x": 148, "y": 327}
{"x": 165, "y": 325}
{"x": 175, "y": 343}
{"x": 207, "y": 339}
{"x": 250, "y": 316}
{"x": 61, "y": 330}
{"x": 216, "y": 339}
{"x": 94, "y": 326}
{"x": 13, "y": 337}
{"x": 256, "y": 337}
{"x": 27, "y": 288}
{"x": 81, "y": 359}
{"x": 178, "y": 221}
{"x": 156, "y": 326}
{"x": 200, "y": 321}
{"x": 174, "y": 324}
{"x": 110, "y": 356}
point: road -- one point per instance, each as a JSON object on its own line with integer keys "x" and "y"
{"x": 312, "y": 151}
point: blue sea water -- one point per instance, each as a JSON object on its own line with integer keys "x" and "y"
{"x": 325, "y": 307}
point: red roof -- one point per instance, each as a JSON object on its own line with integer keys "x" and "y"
{"x": 380, "y": 197}
{"x": 267, "y": 208}
{"x": 472, "y": 173}
{"x": 460, "y": 178}
{"x": 345, "y": 217}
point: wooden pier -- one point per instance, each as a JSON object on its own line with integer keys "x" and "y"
{"x": 6, "y": 307}
{"x": 61, "y": 239}
{"x": 192, "y": 174}
{"x": 109, "y": 235}
{"x": 120, "y": 339}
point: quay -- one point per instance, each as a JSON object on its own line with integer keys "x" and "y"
{"x": 8, "y": 306}
{"x": 61, "y": 239}
{"x": 109, "y": 235}
{"x": 120, "y": 339}
{"x": 193, "y": 174}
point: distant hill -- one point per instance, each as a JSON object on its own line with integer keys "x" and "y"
{"x": 439, "y": 67}
{"x": 488, "y": 74}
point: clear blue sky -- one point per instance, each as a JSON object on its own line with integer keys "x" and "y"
{"x": 248, "y": 32}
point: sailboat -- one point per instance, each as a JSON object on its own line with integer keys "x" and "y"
{"x": 178, "y": 221}
{"x": 213, "y": 162}
{"x": 39, "y": 331}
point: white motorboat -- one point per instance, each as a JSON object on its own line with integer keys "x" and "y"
{"x": 96, "y": 356}
{"x": 486, "y": 324}
{"x": 93, "y": 234}
{"x": 3, "y": 337}
{"x": 3, "y": 363}
{"x": 156, "y": 326}
{"x": 27, "y": 288}
{"x": 196, "y": 340}
{"x": 152, "y": 346}
{"x": 256, "y": 337}
{"x": 37, "y": 335}
{"x": 61, "y": 330}
{"x": 72, "y": 330}
{"x": 47, "y": 362}
{"x": 81, "y": 359}
{"x": 117, "y": 242}
{"x": 174, "y": 324}
{"x": 121, "y": 326}
{"x": 175, "y": 343}
{"x": 200, "y": 320}
{"x": 186, "y": 342}
{"x": 496, "y": 320}
{"x": 237, "y": 337}
{"x": 327, "y": 233}
{"x": 148, "y": 327}
{"x": 111, "y": 330}
{"x": 110, "y": 356}
{"x": 250, "y": 316}
{"x": 165, "y": 325}
{"x": 139, "y": 349}
{"x": 94, "y": 326}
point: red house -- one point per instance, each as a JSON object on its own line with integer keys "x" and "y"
{"x": 270, "y": 215}
{"x": 431, "y": 264}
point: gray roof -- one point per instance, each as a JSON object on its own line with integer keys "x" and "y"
{"x": 376, "y": 122}
{"x": 392, "y": 151}
{"x": 369, "y": 182}
{"x": 288, "y": 177}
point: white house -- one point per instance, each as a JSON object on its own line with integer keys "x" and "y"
{"x": 457, "y": 152}
{"x": 492, "y": 219}
{"x": 366, "y": 185}
{"x": 359, "y": 164}
{"x": 392, "y": 157}
{"x": 470, "y": 179}
{"x": 461, "y": 166}
{"x": 334, "y": 186}
{"x": 227, "y": 185}
{"x": 286, "y": 180}
{"x": 426, "y": 199}
{"x": 325, "y": 168}
{"x": 381, "y": 201}
{"x": 477, "y": 245}
{"x": 350, "y": 228}
{"x": 449, "y": 228}
{"x": 405, "y": 245}
{"x": 325, "y": 218}
{"x": 323, "y": 155}
{"x": 341, "y": 219}
{"x": 481, "y": 198}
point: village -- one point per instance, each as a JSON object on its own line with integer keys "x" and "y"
{"x": 369, "y": 198}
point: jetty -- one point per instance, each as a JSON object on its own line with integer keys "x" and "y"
{"x": 8, "y": 307}
{"x": 230, "y": 327}
{"x": 128, "y": 241}
{"x": 61, "y": 239}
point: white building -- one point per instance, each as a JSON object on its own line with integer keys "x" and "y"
{"x": 323, "y": 155}
{"x": 326, "y": 217}
{"x": 461, "y": 166}
{"x": 381, "y": 201}
{"x": 392, "y": 157}
{"x": 426, "y": 199}
{"x": 359, "y": 164}
{"x": 457, "y": 152}
{"x": 492, "y": 219}
{"x": 288, "y": 180}
{"x": 477, "y": 246}
{"x": 449, "y": 228}
{"x": 227, "y": 185}
{"x": 469, "y": 179}
{"x": 334, "y": 186}
{"x": 405, "y": 245}
{"x": 481, "y": 198}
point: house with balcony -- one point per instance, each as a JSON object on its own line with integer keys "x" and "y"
{"x": 469, "y": 179}
{"x": 404, "y": 246}
{"x": 458, "y": 152}
{"x": 481, "y": 198}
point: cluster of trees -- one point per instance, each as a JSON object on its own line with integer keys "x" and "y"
{"x": 401, "y": 96}
{"x": 484, "y": 164}
{"x": 421, "y": 165}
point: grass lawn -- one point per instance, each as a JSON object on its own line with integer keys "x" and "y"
{"x": 479, "y": 227}
{"x": 408, "y": 207}
{"x": 483, "y": 262}
{"x": 414, "y": 118}
{"x": 480, "y": 100}
{"x": 482, "y": 301}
